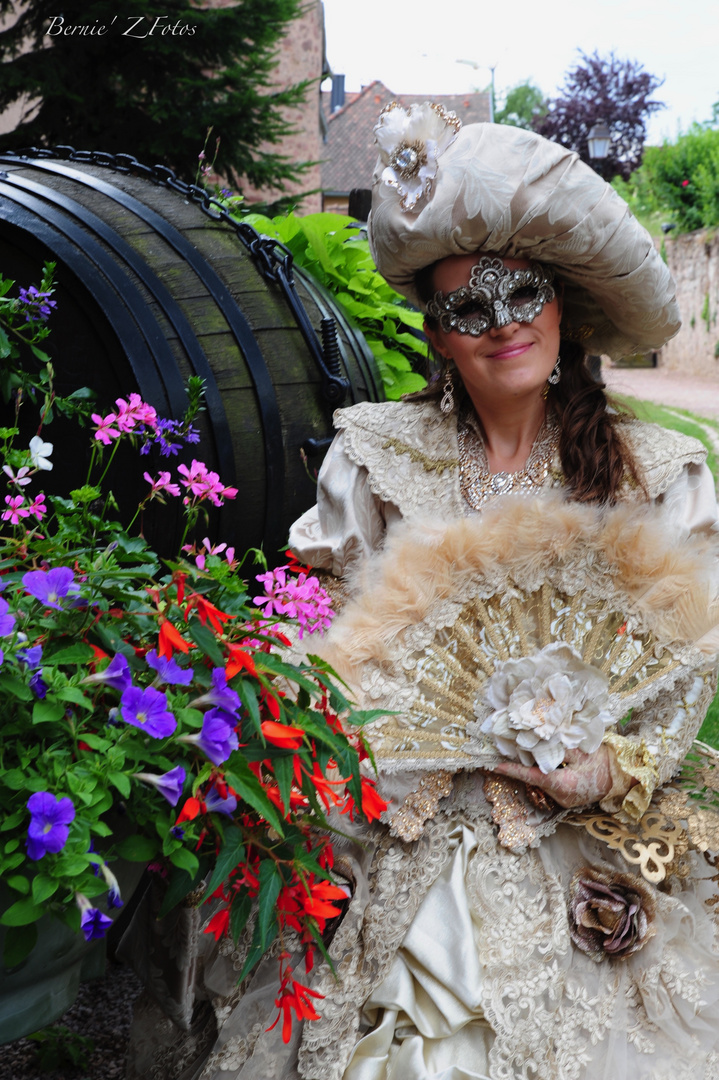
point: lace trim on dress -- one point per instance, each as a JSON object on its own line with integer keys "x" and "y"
{"x": 366, "y": 942}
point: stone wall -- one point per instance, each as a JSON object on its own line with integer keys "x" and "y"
{"x": 693, "y": 259}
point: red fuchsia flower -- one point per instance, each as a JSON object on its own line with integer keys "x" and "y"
{"x": 685, "y": 183}
{"x": 50, "y": 820}
{"x": 105, "y": 432}
{"x": 147, "y": 710}
{"x": 373, "y": 805}
{"x": 293, "y": 997}
{"x": 284, "y": 735}
{"x": 170, "y": 639}
{"x": 15, "y": 509}
{"x": 92, "y": 921}
{"x": 219, "y": 923}
{"x": 240, "y": 660}
{"x": 161, "y": 484}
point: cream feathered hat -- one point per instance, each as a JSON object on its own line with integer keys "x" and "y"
{"x": 442, "y": 189}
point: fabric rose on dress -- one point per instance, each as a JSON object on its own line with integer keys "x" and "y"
{"x": 544, "y": 705}
{"x": 410, "y": 142}
{"x": 610, "y": 914}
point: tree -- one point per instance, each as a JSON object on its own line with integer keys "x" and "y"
{"x": 149, "y": 81}
{"x": 616, "y": 91}
{"x": 524, "y": 106}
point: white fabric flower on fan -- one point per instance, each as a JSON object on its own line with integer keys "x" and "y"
{"x": 410, "y": 142}
{"x": 544, "y": 705}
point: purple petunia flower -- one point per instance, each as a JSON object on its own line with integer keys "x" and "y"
{"x": 49, "y": 586}
{"x": 220, "y": 695}
{"x": 215, "y": 803}
{"x": 31, "y": 656}
{"x": 178, "y": 832}
{"x": 170, "y": 784}
{"x": 147, "y": 710}
{"x": 7, "y": 619}
{"x": 92, "y": 922}
{"x": 49, "y": 823}
{"x": 38, "y": 686}
{"x": 169, "y": 670}
{"x": 116, "y": 675}
{"x": 217, "y": 739}
{"x": 114, "y": 900}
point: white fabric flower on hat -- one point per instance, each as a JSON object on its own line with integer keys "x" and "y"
{"x": 410, "y": 142}
{"x": 40, "y": 453}
{"x": 544, "y": 705}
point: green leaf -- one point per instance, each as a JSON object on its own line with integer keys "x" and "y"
{"x": 181, "y": 883}
{"x": 76, "y": 696}
{"x": 13, "y": 819}
{"x": 248, "y": 696}
{"x": 231, "y": 854}
{"x": 47, "y": 711}
{"x": 19, "y": 945}
{"x": 284, "y": 773}
{"x": 185, "y": 860}
{"x": 112, "y": 641}
{"x": 206, "y": 640}
{"x": 138, "y": 848}
{"x": 74, "y": 654}
{"x": 71, "y": 865}
{"x": 19, "y": 883}
{"x": 270, "y": 884}
{"x": 239, "y": 914}
{"x": 43, "y": 888}
{"x": 21, "y": 913}
{"x": 9, "y": 685}
{"x": 121, "y": 782}
{"x": 96, "y": 742}
{"x": 251, "y": 791}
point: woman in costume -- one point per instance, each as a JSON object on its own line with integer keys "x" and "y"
{"x": 529, "y": 580}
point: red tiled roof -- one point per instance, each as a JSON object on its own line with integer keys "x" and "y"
{"x": 350, "y": 153}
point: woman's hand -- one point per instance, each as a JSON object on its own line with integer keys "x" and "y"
{"x": 584, "y": 779}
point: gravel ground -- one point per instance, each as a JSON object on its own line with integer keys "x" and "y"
{"x": 101, "y": 1013}
{"x": 672, "y": 388}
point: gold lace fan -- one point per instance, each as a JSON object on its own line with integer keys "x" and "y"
{"x": 449, "y": 608}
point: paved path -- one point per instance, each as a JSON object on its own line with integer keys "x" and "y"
{"x": 672, "y": 388}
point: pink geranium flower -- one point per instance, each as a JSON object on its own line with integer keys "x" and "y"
{"x": 105, "y": 432}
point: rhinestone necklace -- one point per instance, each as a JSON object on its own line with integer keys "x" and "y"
{"x": 478, "y": 485}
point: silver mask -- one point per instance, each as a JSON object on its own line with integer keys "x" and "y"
{"x": 496, "y": 296}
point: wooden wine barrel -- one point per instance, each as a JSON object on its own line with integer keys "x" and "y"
{"x": 152, "y": 288}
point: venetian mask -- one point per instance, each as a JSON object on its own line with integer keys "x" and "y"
{"x": 495, "y": 296}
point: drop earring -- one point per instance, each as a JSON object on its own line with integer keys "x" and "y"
{"x": 447, "y": 403}
{"x": 556, "y": 373}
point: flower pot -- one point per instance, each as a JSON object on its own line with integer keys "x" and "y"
{"x": 37, "y": 991}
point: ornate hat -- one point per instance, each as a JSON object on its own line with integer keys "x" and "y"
{"x": 442, "y": 189}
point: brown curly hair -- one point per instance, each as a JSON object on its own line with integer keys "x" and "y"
{"x": 595, "y": 457}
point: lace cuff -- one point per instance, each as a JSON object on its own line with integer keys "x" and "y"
{"x": 634, "y": 776}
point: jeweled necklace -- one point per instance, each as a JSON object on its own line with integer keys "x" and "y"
{"x": 479, "y": 485}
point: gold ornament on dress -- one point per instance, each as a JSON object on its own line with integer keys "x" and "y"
{"x": 420, "y": 805}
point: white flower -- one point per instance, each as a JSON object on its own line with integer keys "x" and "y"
{"x": 410, "y": 142}
{"x": 544, "y": 705}
{"x": 40, "y": 452}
